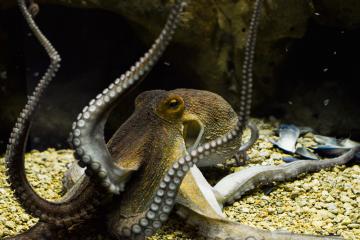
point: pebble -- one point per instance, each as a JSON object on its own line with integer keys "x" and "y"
{"x": 44, "y": 176}
{"x": 323, "y": 203}
{"x": 332, "y": 208}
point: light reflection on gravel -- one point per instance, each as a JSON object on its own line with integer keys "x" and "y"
{"x": 322, "y": 203}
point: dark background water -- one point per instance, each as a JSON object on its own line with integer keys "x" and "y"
{"x": 95, "y": 47}
{"x": 319, "y": 81}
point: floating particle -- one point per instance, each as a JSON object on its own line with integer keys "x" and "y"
{"x": 326, "y": 102}
{"x": 167, "y": 64}
{"x": 3, "y": 75}
{"x": 36, "y": 139}
{"x": 317, "y": 14}
{"x": 233, "y": 88}
{"x": 325, "y": 69}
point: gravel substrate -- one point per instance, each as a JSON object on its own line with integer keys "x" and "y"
{"x": 327, "y": 202}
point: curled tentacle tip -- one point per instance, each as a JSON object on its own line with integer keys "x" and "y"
{"x": 33, "y": 9}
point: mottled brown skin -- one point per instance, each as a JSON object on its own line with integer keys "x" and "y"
{"x": 160, "y": 142}
{"x": 204, "y": 108}
{"x": 155, "y": 133}
{"x": 152, "y": 139}
{"x": 156, "y": 141}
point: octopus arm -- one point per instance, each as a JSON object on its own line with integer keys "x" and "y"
{"x": 88, "y": 131}
{"x": 233, "y": 186}
{"x": 76, "y": 204}
{"x": 200, "y": 206}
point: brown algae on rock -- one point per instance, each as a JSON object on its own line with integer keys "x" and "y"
{"x": 323, "y": 203}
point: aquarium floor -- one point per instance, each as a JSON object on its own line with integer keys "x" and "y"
{"x": 327, "y": 202}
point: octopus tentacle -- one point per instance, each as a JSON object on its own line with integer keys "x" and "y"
{"x": 241, "y": 154}
{"x": 233, "y": 186}
{"x": 164, "y": 200}
{"x": 253, "y": 137}
{"x": 247, "y": 82}
{"x": 87, "y": 134}
{"x": 205, "y": 213}
{"x": 247, "y": 69}
{"x": 165, "y": 196}
{"x": 75, "y": 205}
{"x": 33, "y": 8}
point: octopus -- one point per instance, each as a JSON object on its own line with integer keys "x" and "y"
{"x": 152, "y": 163}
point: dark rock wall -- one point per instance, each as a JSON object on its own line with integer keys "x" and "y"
{"x": 296, "y": 43}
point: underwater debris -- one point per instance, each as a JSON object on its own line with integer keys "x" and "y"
{"x": 332, "y": 147}
{"x": 3, "y": 75}
{"x": 304, "y": 152}
{"x": 289, "y": 134}
{"x": 324, "y": 147}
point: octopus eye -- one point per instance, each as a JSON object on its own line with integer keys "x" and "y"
{"x": 173, "y": 103}
{"x": 171, "y": 108}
